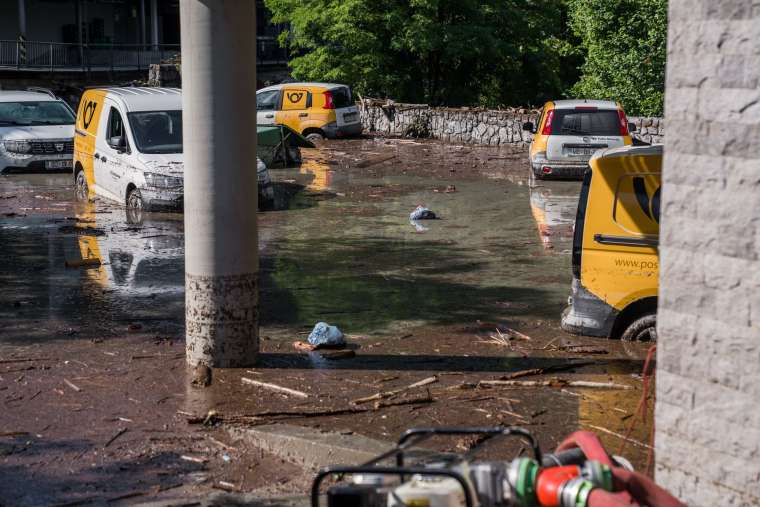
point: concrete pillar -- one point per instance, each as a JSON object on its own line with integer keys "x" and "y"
{"x": 143, "y": 26}
{"x": 154, "y": 23}
{"x": 708, "y": 364}
{"x": 221, "y": 242}
{"x": 22, "y": 17}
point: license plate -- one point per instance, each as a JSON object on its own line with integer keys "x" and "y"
{"x": 582, "y": 151}
{"x": 349, "y": 117}
{"x": 58, "y": 164}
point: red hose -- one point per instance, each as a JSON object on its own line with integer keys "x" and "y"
{"x": 632, "y": 488}
{"x": 642, "y": 490}
{"x": 589, "y": 443}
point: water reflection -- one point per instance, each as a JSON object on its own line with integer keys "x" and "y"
{"x": 553, "y": 205}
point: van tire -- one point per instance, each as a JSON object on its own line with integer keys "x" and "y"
{"x": 134, "y": 199}
{"x": 81, "y": 189}
{"x": 643, "y": 329}
{"x": 315, "y": 136}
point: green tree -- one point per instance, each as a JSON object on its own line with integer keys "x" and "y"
{"x": 454, "y": 52}
{"x": 625, "y": 46}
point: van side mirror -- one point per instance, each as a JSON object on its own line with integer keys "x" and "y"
{"x": 118, "y": 143}
{"x": 631, "y": 127}
{"x": 528, "y": 125}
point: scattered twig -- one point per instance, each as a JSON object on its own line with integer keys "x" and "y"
{"x": 225, "y": 486}
{"x": 557, "y": 382}
{"x": 161, "y": 489}
{"x": 618, "y": 435}
{"x": 126, "y": 495}
{"x": 517, "y": 334}
{"x": 428, "y": 398}
{"x": 274, "y": 387}
{"x": 541, "y": 371}
{"x": 273, "y": 414}
{"x": 24, "y": 360}
{"x": 375, "y": 160}
{"x": 514, "y": 414}
{"x": 117, "y": 435}
{"x": 584, "y": 349}
{"x": 193, "y": 459}
{"x": 71, "y": 385}
{"x": 221, "y": 444}
{"x": 14, "y": 433}
{"x": 388, "y": 394}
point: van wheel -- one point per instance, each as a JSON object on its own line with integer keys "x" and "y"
{"x": 134, "y": 199}
{"x": 315, "y": 137}
{"x": 81, "y": 190}
{"x": 643, "y": 329}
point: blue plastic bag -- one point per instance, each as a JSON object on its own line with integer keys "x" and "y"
{"x": 421, "y": 213}
{"x": 325, "y": 334}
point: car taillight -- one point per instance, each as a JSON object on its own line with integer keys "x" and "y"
{"x": 329, "y": 104}
{"x": 623, "y": 123}
{"x": 548, "y": 123}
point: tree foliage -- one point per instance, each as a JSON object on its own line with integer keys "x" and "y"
{"x": 624, "y": 42}
{"x": 482, "y": 52}
{"x": 456, "y": 52}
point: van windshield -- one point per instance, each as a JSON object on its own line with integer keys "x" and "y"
{"x": 586, "y": 122}
{"x": 157, "y": 131}
{"x": 35, "y": 113}
{"x": 341, "y": 97}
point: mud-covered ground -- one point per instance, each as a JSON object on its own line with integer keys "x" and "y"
{"x": 96, "y": 395}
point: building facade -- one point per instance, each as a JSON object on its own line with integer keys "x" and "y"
{"x": 109, "y": 35}
{"x": 708, "y": 350}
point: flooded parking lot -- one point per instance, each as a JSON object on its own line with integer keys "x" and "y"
{"x": 341, "y": 247}
{"x": 92, "y": 284}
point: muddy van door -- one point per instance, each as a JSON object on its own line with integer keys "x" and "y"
{"x": 85, "y": 133}
{"x": 615, "y": 257}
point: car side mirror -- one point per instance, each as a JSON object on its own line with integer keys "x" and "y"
{"x": 632, "y": 127}
{"x": 528, "y": 125}
{"x": 118, "y": 143}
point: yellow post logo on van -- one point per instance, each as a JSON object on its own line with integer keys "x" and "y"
{"x": 86, "y": 131}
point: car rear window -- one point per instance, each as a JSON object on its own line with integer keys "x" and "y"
{"x": 599, "y": 122}
{"x": 342, "y": 97}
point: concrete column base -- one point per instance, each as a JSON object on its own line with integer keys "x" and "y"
{"x": 221, "y": 319}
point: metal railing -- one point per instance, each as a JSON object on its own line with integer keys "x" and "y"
{"x": 56, "y": 56}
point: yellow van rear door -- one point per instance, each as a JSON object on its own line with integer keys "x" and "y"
{"x": 620, "y": 258}
{"x": 86, "y": 130}
{"x": 295, "y": 105}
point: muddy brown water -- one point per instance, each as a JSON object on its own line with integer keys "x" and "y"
{"x": 415, "y": 299}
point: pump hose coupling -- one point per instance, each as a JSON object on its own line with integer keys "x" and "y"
{"x": 575, "y": 492}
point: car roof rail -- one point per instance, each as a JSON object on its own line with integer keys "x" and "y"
{"x": 40, "y": 89}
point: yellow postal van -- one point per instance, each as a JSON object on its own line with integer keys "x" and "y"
{"x": 570, "y": 131}
{"x": 314, "y": 110}
{"x": 615, "y": 256}
{"x": 128, "y": 146}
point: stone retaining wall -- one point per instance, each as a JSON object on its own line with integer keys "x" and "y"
{"x": 470, "y": 126}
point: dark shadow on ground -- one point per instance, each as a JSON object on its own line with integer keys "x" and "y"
{"x": 426, "y": 362}
{"x": 53, "y": 482}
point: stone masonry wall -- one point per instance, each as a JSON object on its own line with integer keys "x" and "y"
{"x": 469, "y": 126}
{"x": 708, "y": 366}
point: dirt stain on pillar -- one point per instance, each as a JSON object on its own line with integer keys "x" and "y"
{"x": 221, "y": 240}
